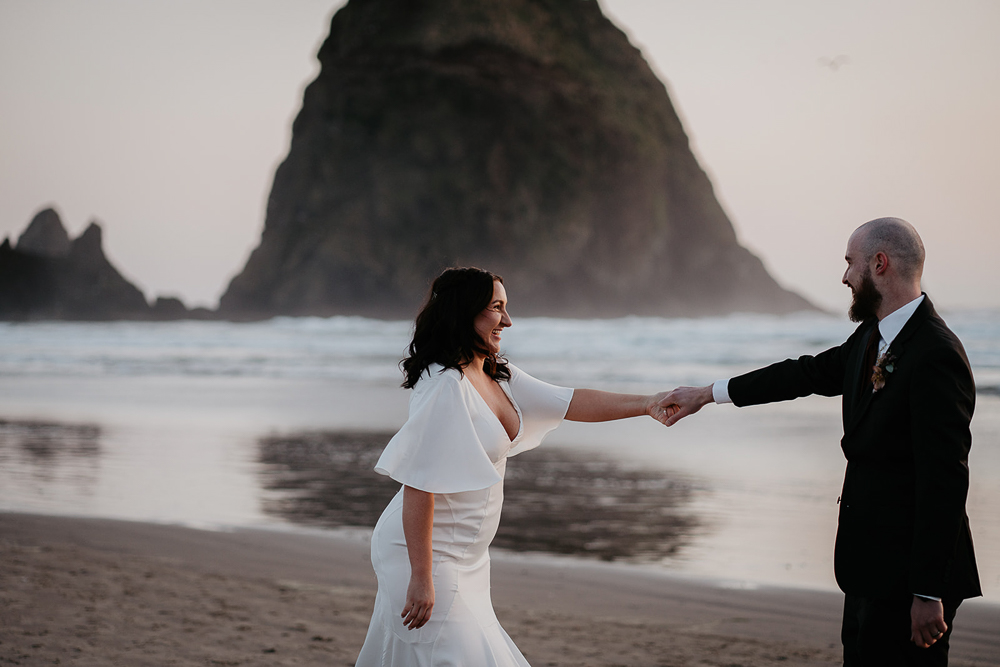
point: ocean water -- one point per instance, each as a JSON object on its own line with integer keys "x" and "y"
{"x": 216, "y": 424}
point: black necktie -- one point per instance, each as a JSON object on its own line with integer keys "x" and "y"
{"x": 871, "y": 356}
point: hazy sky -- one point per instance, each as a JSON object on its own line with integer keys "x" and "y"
{"x": 165, "y": 121}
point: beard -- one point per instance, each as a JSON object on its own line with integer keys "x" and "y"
{"x": 866, "y": 299}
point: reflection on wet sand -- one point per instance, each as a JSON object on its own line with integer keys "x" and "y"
{"x": 38, "y": 449}
{"x": 326, "y": 478}
{"x": 555, "y": 500}
{"x": 44, "y": 443}
{"x": 564, "y": 502}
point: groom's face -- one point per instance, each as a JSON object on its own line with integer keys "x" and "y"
{"x": 866, "y": 300}
{"x": 858, "y": 277}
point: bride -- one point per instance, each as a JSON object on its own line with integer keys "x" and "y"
{"x": 470, "y": 409}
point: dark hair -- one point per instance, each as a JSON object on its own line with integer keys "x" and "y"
{"x": 444, "y": 332}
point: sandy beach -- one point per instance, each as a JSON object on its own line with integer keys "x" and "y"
{"x": 101, "y": 592}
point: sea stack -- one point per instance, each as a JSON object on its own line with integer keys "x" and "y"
{"x": 49, "y": 277}
{"x": 527, "y": 137}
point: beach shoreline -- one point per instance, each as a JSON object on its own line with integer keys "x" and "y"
{"x": 89, "y": 591}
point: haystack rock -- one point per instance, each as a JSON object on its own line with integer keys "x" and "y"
{"x": 48, "y": 276}
{"x": 528, "y": 137}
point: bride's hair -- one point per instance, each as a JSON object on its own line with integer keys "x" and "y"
{"x": 444, "y": 332}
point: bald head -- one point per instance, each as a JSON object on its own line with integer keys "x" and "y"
{"x": 898, "y": 240}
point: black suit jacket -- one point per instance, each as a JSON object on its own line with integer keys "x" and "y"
{"x": 903, "y": 526}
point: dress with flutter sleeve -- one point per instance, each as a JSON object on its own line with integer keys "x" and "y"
{"x": 452, "y": 445}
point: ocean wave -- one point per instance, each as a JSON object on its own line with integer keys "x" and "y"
{"x": 624, "y": 351}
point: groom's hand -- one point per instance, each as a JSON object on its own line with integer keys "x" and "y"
{"x": 926, "y": 621}
{"x": 686, "y": 401}
{"x": 660, "y": 411}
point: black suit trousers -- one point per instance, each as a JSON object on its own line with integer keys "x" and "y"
{"x": 876, "y": 633}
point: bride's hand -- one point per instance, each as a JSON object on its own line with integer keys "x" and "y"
{"x": 661, "y": 413}
{"x": 419, "y": 602}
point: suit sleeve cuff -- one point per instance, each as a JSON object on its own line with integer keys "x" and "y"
{"x": 927, "y": 597}
{"x": 720, "y": 391}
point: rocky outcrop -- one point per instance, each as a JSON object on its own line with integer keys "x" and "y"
{"x": 528, "y": 137}
{"x": 47, "y": 276}
{"x": 45, "y": 236}
{"x": 172, "y": 308}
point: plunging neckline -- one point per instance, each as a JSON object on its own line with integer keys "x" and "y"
{"x": 506, "y": 392}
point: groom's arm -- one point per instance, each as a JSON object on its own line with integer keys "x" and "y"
{"x": 942, "y": 400}
{"x": 793, "y": 378}
{"x": 822, "y": 374}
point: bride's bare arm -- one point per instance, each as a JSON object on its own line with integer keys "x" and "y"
{"x": 591, "y": 405}
{"x": 418, "y": 526}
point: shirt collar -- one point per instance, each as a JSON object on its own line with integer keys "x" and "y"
{"x": 890, "y": 325}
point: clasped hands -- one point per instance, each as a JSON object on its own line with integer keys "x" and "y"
{"x": 671, "y": 406}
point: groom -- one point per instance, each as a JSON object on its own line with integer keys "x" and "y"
{"x": 904, "y": 554}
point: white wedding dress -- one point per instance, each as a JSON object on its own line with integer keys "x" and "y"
{"x": 453, "y": 446}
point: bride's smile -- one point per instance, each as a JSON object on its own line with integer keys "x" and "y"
{"x": 490, "y": 323}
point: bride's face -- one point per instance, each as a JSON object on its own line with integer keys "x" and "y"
{"x": 493, "y": 319}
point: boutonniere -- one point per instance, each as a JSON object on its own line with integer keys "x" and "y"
{"x": 885, "y": 365}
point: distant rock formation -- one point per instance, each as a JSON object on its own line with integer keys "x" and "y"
{"x": 45, "y": 236}
{"x": 47, "y": 276}
{"x": 528, "y": 137}
{"x": 172, "y": 308}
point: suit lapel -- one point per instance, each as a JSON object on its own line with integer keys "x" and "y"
{"x": 860, "y": 405}
{"x": 923, "y": 312}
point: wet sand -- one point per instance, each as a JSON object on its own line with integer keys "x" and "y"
{"x": 556, "y": 500}
{"x": 100, "y": 592}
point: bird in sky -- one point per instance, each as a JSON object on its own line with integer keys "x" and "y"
{"x": 834, "y": 63}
